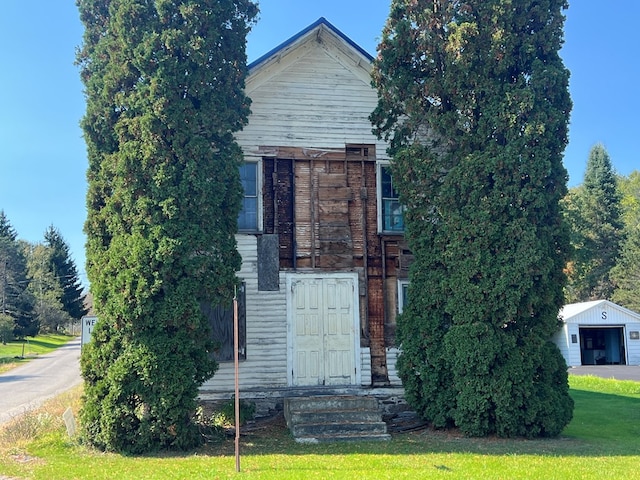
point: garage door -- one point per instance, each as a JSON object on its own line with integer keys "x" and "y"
{"x": 602, "y": 345}
{"x": 323, "y": 330}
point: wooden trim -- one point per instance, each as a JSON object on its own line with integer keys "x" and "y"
{"x": 347, "y": 153}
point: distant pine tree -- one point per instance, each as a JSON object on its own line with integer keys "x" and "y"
{"x": 6, "y": 229}
{"x": 594, "y": 212}
{"x": 64, "y": 270}
{"x": 15, "y": 299}
{"x": 626, "y": 274}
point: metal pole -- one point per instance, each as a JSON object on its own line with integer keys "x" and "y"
{"x": 237, "y": 381}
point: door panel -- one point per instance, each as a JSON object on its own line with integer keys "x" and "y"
{"x": 323, "y": 339}
{"x": 308, "y": 332}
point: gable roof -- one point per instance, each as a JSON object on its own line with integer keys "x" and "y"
{"x": 317, "y": 25}
{"x": 573, "y": 309}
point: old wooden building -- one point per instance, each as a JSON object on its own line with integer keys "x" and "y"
{"x": 321, "y": 233}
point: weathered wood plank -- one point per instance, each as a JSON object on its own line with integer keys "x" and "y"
{"x": 341, "y": 194}
{"x": 327, "y": 209}
{"x": 332, "y": 179}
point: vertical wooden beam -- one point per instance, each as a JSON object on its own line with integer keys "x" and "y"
{"x": 312, "y": 195}
{"x": 236, "y": 362}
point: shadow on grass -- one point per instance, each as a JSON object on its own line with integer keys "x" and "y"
{"x": 45, "y": 344}
{"x": 10, "y": 359}
{"x": 603, "y": 425}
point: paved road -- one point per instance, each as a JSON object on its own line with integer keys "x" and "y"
{"x": 619, "y": 372}
{"x": 46, "y": 376}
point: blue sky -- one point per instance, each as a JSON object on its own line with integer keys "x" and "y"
{"x": 42, "y": 153}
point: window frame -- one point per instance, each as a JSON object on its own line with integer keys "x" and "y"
{"x": 258, "y": 196}
{"x": 403, "y": 284}
{"x": 381, "y": 200}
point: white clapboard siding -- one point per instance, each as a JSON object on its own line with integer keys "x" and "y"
{"x": 570, "y": 352}
{"x": 633, "y": 344}
{"x": 266, "y": 324}
{"x": 320, "y": 97}
{"x": 392, "y": 357}
{"x": 365, "y": 365}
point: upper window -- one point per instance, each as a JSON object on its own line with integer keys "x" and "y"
{"x": 391, "y": 210}
{"x": 248, "y": 217}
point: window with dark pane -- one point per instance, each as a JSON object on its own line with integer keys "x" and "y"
{"x": 248, "y": 217}
{"x": 392, "y": 210}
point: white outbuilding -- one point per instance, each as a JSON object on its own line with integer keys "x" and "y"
{"x": 599, "y": 333}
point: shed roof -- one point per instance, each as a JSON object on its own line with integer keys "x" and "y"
{"x": 317, "y": 25}
{"x": 574, "y": 309}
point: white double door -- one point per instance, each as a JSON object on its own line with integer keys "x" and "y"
{"x": 323, "y": 329}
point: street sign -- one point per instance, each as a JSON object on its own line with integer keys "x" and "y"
{"x": 87, "y": 327}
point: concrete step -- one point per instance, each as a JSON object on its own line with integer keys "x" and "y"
{"x": 332, "y": 418}
{"x": 344, "y": 438}
{"x": 351, "y": 428}
{"x": 332, "y": 402}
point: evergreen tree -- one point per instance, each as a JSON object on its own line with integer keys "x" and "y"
{"x": 64, "y": 270}
{"x": 473, "y": 98}
{"x": 45, "y": 289}
{"x": 15, "y": 299}
{"x": 165, "y": 93}
{"x": 629, "y": 188}
{"x": 6, "y": 328}
{"x": 6, "y": 229}
{"x": 594, "y": 213}
{"x": 626, "y": 274}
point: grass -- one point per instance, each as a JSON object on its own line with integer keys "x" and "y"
{"x": 602, "y": 441}
{"x": 18, "y": 352}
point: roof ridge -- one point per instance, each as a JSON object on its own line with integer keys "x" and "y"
{"x": 321, "y": 21}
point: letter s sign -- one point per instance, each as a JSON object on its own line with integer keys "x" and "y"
{"x": 604, "y": 315}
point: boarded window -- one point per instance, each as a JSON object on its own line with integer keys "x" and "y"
{"x": 268, "y": 267}
{"x": 221, "y": 321}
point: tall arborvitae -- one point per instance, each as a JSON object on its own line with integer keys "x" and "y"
{"x": 165, "y": 93}
{"x": 594, "y": 212}
{"x": 16, "y": 302}
{"x": 474, "y": 100}
{"x": 65, "y": 272}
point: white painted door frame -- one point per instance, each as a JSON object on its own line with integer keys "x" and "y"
{"x": 291, "y": 280}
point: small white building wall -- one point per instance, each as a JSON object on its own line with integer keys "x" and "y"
{"x": 632, "y": 344}
{"x": 604, "y": 314}
{"x": 570, "y": 351}
{"x": 560, "y": 339}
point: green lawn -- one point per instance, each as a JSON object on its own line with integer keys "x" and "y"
{"x": 11, "y": 353}
{"x": 602, "y": 441}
